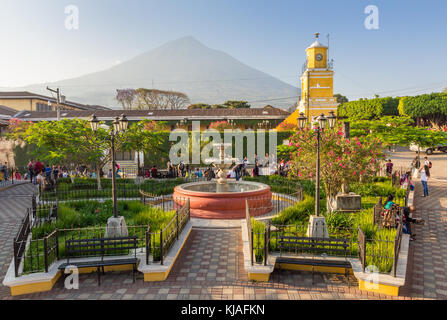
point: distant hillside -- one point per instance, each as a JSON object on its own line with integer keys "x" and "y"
{"x": 184, "y": 65}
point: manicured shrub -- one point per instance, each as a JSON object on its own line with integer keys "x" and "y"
{"x": 298, "y": 213}
{"x": 156, "y": 217}
{"x": 339, "y": 220}
{"x": 67, "y": 217}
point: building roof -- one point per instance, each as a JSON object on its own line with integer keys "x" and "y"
{"x": 267, "y": 112}
{"x": 317, "y": 44}
{"x": 30, "y": 95}
{"x": 6, "y": 112}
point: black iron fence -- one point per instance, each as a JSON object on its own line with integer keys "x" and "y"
{"x": 36, "y": 254}
{"x": 379, "y": 254}
{"x": 20, "y": 240}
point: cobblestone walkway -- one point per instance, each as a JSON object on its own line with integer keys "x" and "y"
{"x": 13, "y": 204}
{"x": 428, "y": 266}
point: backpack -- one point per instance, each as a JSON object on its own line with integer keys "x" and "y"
{"x": 429, "y": 164}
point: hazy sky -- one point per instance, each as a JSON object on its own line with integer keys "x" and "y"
{"x": 406, "y": 55}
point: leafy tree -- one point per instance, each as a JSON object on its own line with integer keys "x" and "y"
{"x": 144, "y": 136}
{"x": 232, "y": 104}
{"x": 342, "y": 161}
{"x": 126, "y": 97}
{"x": 199, "y": 106}
{"x": 284, "y": 152}
{"x": 69, "y": 141}
{"x": 160, "y": 99}
{"x": 340, "y": 98}
{"x": 398, "y": 131}
{"x": 431, "y": 107}
{"x": 369, "y": 108}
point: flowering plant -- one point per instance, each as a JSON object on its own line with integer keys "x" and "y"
{"x": 287, "y": 126}
{"x": 220, "y": 125}
{"x": 342, "y": 160}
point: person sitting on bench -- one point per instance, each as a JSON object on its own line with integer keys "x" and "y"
{"x": 407, "y": 220}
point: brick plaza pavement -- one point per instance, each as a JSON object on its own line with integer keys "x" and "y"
{"x": 428, "y": 253}
{"x": 210, "y": 267}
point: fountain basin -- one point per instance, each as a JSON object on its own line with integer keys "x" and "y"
{"x": 210, "y": 200}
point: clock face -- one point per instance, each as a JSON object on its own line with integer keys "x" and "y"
{"x": 319, "y": 57}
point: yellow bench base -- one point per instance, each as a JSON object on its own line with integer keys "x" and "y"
{"x": 379, "y": 288}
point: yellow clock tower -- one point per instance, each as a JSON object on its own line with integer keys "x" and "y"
{"x": 317, "y": 83}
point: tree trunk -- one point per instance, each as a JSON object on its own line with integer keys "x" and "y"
{"x": 345, "y": 188}
{"x": 331, "y": 203}
{"x": 98, "y": 176}
{"x": 138, "y": 164}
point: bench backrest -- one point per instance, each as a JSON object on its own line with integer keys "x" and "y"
{"x": 100, "y": 246}
{"x": 312, "y": 244}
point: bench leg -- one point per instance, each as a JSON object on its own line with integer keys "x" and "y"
{"x": 133, "y": 272}
{"x": 103, "y": 272}
{"x": 99, "y": 275}
{"x": 313, "y": 282}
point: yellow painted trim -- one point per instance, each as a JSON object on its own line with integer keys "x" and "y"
{"x": 35, "y": 287}
{"x": 161, "y": 276}
{"x": 379, "y": 288}
{"x": 124, "y": 267}
{"x": 156, "y": 276}
{"x": 276, "y": 197}
{"x": 304, "y": 267}
{"x": 261, "y": 277}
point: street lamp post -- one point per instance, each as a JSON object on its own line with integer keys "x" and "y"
{"x": 322, "y": 120}
{"x": 118, "y": 125}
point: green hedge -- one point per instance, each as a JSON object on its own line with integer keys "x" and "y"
{"x": 369, "y": 108}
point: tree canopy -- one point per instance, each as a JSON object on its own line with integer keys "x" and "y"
{"x": 230, "y": 104}
{"x": 369, "y": 108}
{"x": 398, "y": 131}
{"x": 431, "y": 107}
{"x": 143, "y": 98}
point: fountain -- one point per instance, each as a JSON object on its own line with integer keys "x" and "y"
{"x": 224, "y": 198}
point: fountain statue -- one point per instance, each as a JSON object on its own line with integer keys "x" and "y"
{"x": 222, "y": 167}
{"x": 223, "y": 198}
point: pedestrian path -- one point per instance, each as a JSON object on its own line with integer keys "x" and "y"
{"x": 13, "y": 204}
{"x": 428, "y": 262}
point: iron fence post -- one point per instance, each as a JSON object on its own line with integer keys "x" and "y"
{"x": 252, "y": 247}
{"x": 45, "y": 253}
{"x": 16, "y": 262}
{"x": 265, "y": 244}
{"x": 161, "y": 247}
{"x": 57, "y": 244}
{"x": 176, "y": 218}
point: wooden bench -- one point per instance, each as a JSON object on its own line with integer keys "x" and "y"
{"x": 99, "y": 248}
{"x": 320, "y": 249}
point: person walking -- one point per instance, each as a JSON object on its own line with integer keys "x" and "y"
{"x": 5, "y": 171}
{"x": 31, "y": 170}
{"x": 425, "y": 175}
{"x": 389, "y": 168}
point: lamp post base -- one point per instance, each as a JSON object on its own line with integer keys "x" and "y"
{"x": 116, "y": 227}
{"x": 317, "y": 227}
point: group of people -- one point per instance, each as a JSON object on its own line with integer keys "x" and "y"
{"x": 417, "y": 169}
{"x": 7, "y": 173}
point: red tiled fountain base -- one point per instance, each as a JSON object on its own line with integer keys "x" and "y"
{"x": 228, "y": 205}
